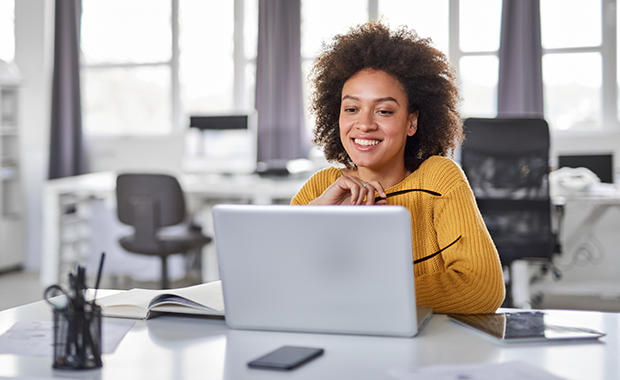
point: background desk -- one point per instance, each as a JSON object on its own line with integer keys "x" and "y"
{"x": 600, "y": 205}
{"x": 590, "y": 259}
{"x": 589, "y": 239}
{"x": 194, "y": 348}
{"x": 64, "y": 199}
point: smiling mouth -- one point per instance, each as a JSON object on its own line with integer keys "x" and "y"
{"x": 365, "y": 142}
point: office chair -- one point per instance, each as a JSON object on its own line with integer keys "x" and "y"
{"x": 149, "y": 202}
{"x": 507, "y": 164}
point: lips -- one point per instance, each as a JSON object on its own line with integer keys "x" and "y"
{"x": 366, "y": 142}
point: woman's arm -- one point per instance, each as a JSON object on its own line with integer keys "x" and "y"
{"x": 471, "y": 279}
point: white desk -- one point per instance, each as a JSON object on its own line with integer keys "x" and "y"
{"x": 600, "y": 205}
{"x": 194, "y": 348}
{"x": 202, "y": 191}
{"x": 596, "y": 205}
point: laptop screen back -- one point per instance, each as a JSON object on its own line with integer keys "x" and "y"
{"x": 334, "y": 269}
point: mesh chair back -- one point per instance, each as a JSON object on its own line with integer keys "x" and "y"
{"x": 507, "y": 164}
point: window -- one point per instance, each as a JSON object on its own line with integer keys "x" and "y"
{"x": 467, "y": 31}
{"x": 478, "y": 62}
{"x": 427, "y": 18}
{"x": 318, "y": 26}
{"x": 7, "y": 30}
{"x": 147, "y": 68}
{"x": 573, "y": 62}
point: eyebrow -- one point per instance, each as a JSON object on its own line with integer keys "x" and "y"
{"x": 379, "y": 100}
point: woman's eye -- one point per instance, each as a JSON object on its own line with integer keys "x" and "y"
{"x": 349, "y": 110}
{"x": 384, "y": 112}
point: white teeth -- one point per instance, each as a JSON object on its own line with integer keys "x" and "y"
{"x": 366, "y": 142}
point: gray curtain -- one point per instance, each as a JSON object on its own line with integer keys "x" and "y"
{"x": 66, "y": 145}
{"x": 279, "y": 94}
{"x": 520, "y": 88}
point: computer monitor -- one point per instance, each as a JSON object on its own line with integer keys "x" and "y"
{"x": 600, "y": 164}
{"x": 219, "y": 122}
{"x": 223, "y": 144}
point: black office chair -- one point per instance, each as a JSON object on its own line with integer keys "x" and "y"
{"x": 149, "y": 202}
{"x": 507, "y": 164}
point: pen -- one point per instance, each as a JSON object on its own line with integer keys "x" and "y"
{"x": 99, "y": 274}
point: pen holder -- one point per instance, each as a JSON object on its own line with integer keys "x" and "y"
{"x": 77, "y": 338}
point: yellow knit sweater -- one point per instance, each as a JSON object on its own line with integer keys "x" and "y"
{"x": 467, "y": 276}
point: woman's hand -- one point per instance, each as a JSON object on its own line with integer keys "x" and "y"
{"x": 349, "y": 190}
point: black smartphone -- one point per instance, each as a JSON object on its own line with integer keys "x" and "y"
{"x": 286, "y": 358}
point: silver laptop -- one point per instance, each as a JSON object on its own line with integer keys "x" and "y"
{"x": 325, "y": 269}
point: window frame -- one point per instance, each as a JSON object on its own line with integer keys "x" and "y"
{"x": 454, "y": 39}
{"x": 454, "y": 52}
{"x": 610, "y": 112}
{"x": 178, "y": 122}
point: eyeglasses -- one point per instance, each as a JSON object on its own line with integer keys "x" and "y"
{"x": 418, "y": 261}
{"x": 400, "y": 192}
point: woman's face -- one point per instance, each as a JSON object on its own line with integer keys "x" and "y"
{"x": 374, "y": 120}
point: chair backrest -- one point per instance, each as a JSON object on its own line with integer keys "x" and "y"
{"x": 507, "y": 164}
{"x": 149, "y": 200}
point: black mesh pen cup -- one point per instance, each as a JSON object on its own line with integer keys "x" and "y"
{"x": 77, "y": 338}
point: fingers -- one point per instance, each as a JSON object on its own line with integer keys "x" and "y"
{"x": 374, "y": 187}
{"x": 363, "y": 193}
{"x": 349, "y": 190}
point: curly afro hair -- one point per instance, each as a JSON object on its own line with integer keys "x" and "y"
{"x": 424, "y": 72}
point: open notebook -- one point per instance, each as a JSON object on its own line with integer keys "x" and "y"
{"x": 329, "y": 269}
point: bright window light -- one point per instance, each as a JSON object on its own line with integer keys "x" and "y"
{"x": 323, "y": 19}
{"x": 479, "y": 77}
{"x": 427, "y": 18}
{"x": 480, "y": 22}
{"x": 7, "y": 30}
{"x": 127, "y": 100}
{"x": 570, "y": 23}
{"x": 136, "y": 31}
{"x": 206, "y": 63}
{"x": 572, "y": 90}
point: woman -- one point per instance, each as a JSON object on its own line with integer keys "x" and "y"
{"x": 386, "y": 110}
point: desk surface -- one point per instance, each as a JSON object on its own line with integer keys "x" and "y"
{"x": 194, "y": 348}
{"x": 207, "y": 184}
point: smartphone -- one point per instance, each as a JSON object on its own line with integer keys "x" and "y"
{"x": 286, "y": 358}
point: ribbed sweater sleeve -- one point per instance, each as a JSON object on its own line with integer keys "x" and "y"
{"x": 315, "y": 186}
{"x": 465, "y": 277}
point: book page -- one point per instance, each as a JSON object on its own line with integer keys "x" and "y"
{"x": 134, "y": 303}
{"x": 208, "y": 295}
{"x": 130, "y": 304}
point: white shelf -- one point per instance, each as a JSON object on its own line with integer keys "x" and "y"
{"x": 11, "y": 194}
{"x": 8, "y": 172}
{"x": 10, "y": 131}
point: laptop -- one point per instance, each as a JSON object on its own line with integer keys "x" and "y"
{"x": 320, "y": 269}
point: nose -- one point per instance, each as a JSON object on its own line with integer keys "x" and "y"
{"x": 366, "y": 121}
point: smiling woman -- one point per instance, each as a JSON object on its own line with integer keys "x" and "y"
{"x": 386, "y": 109}
{"x": 374, "y": 125}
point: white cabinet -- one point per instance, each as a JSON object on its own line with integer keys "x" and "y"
{"x": 11, "y": 192}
